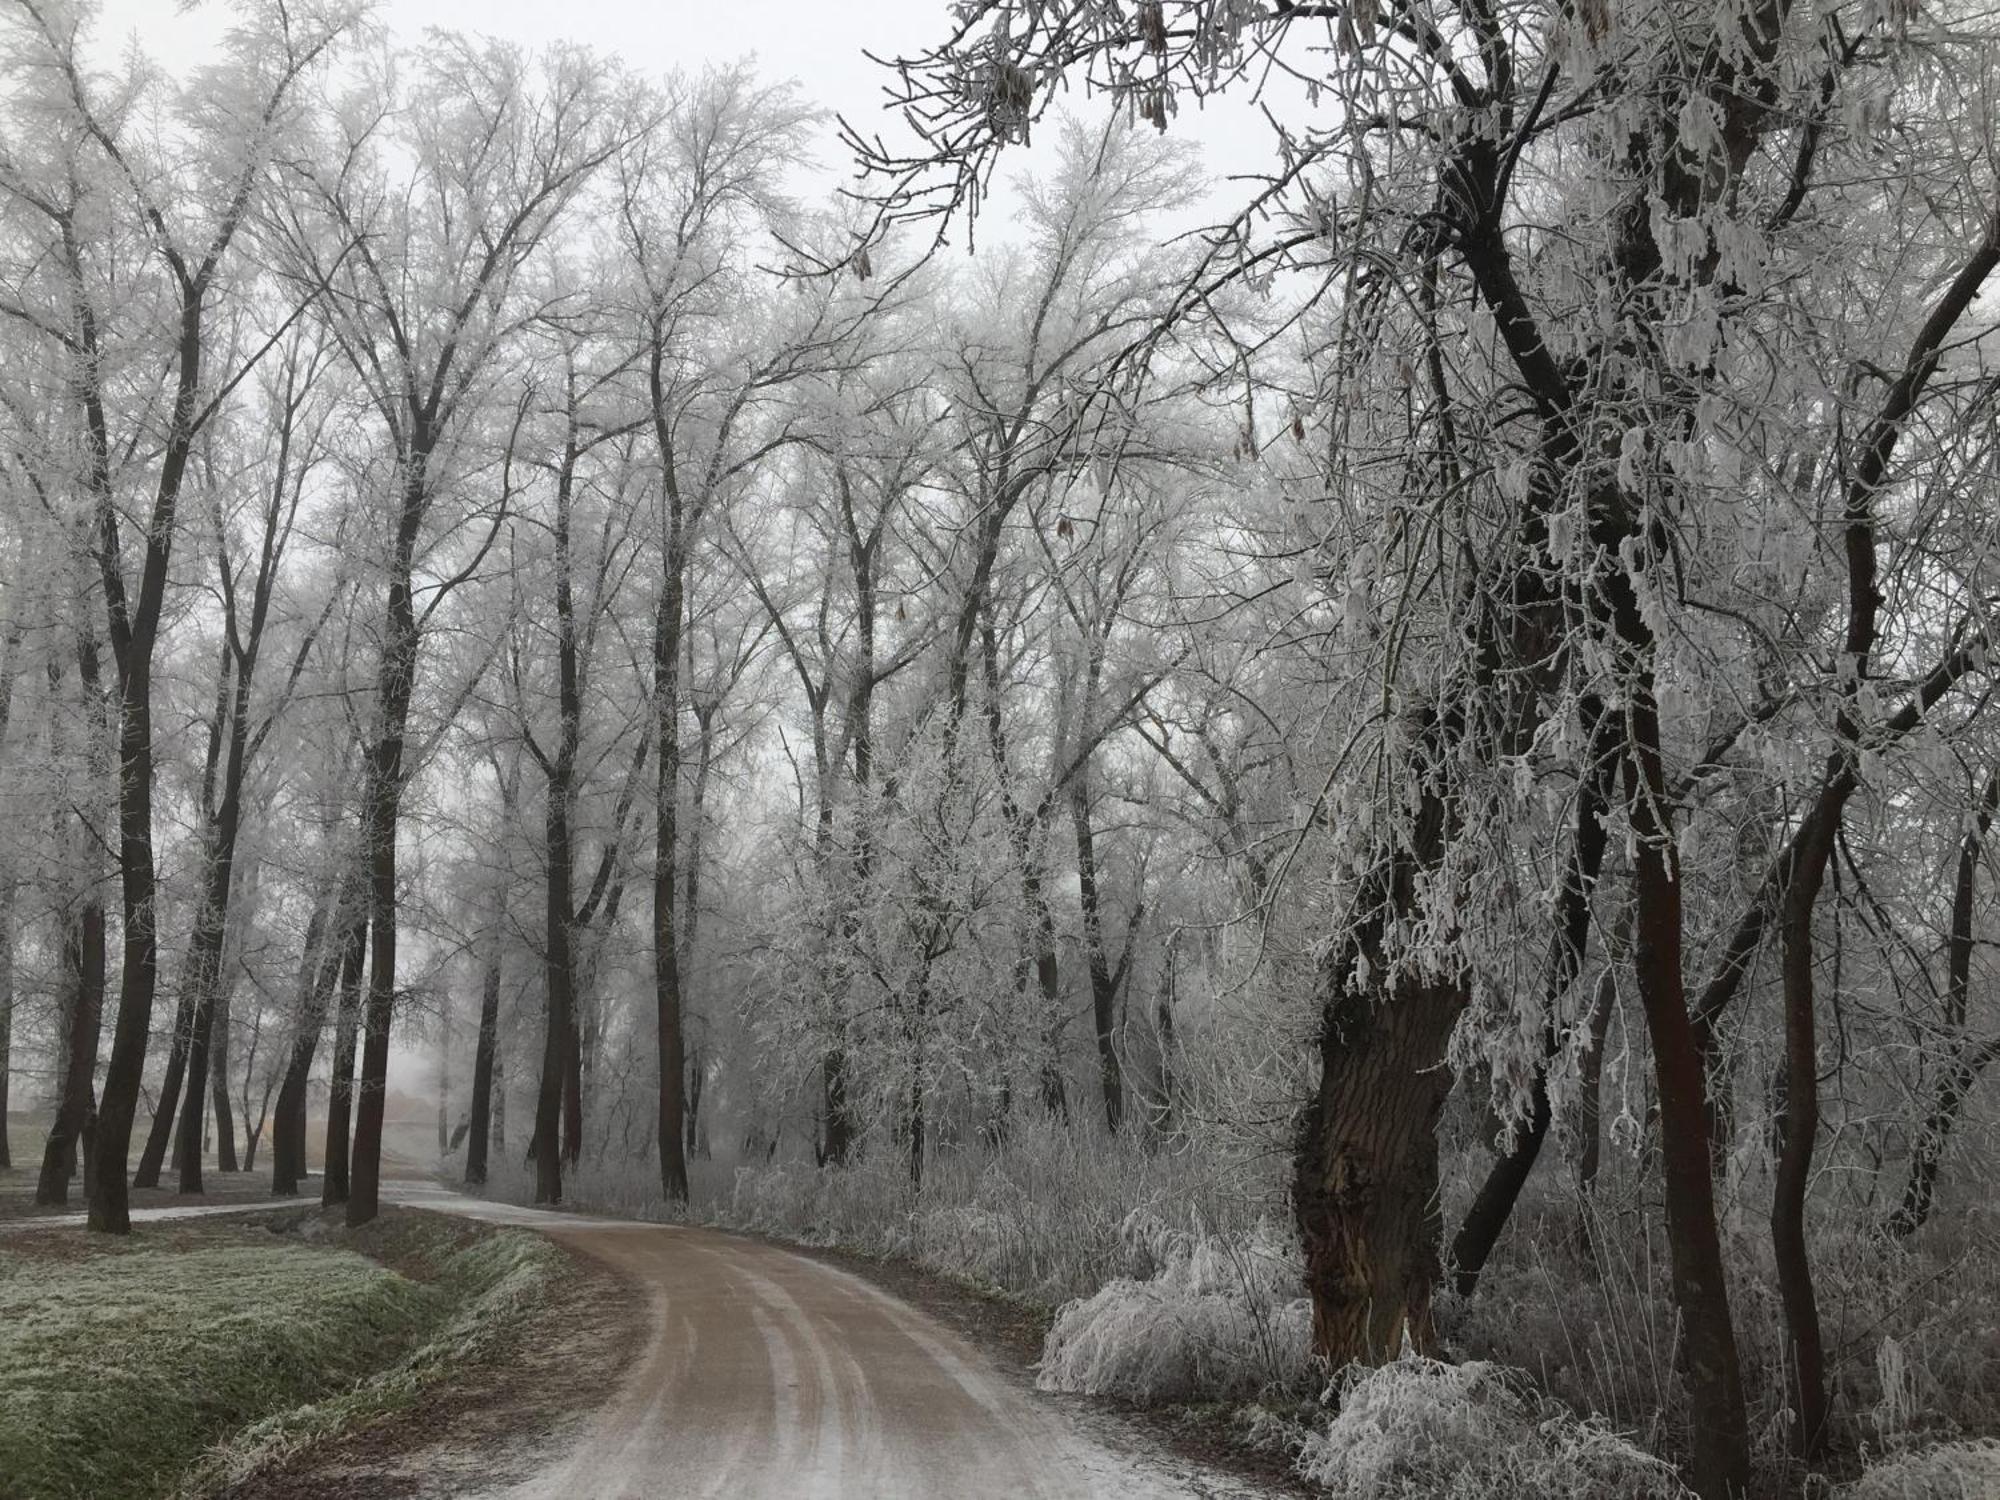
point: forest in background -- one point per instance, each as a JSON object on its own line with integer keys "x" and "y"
{"x": 1165, "y": 770}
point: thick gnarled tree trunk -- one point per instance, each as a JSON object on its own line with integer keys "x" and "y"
{"x": 1366, "y": 1171}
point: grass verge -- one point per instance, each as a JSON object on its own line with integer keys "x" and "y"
{"x": 182, "y": 1359}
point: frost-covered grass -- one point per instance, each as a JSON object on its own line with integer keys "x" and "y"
{"x": 1949, "y": 1471}
{"x": 1219, "y": 1317}
{"x": 485, "y": 1280}
{"x": 120, "y": 1364}
{"x": 1912, "y": 1329}
{"x": 116, "y": 1370}
{"x": 1040, "y": 1216}
{"x": 1422, "y": 1429}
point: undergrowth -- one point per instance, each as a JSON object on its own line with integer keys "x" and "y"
{"x": 1174, "y": 1278}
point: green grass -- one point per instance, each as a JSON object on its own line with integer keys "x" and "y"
{"x": 121, "y": 1369}
{"x": 485, "y": 1280}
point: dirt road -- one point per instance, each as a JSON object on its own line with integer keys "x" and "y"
{"x": 767, "y": 1374}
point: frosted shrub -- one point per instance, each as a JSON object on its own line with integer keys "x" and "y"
{"x": 1423, "y": 1430}
{"x": 778, "y": 1200}
{"x": 1209, "y": 1317}
{"x": 1897, "y": 1412}
{"x": 1949, "y": 1471}
{"x": 979, "y": 1243}
{"x": 1047, "y": 1215}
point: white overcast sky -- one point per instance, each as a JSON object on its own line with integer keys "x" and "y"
{"x": 820, "y": 44}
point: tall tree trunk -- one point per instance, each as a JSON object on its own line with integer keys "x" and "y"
{"x": 166, "y": 1104}
{"x": 574, "y": 1045}
{"x": 218, "y": 1048}
{"x": 1039, "y": 962}
{"x": 558, "y": 1032}
{"x": 204, "y": 963}
{"x": 917, "y": 1122}
{"x": 1721, "y": 1461}
{"x": 690, "y": 930}
{"x": 6, "y": 1013}
{"x": 134, "y": 630}
{"x": 1366, "y": 1189}
{"x": 252, "y": 1132}
{"x": 9, "y": 671}
{"x": 73, "y": 1129}
{"x": 696, "y": 1133}
{"x": 381, "y": 819}
{"x": 319, "y": 965}
{"x": 83, "y": 959}
{"x": 487, "y": 1127}
{"x": 346, "y": 1029}
{"x": 1104, "y": 984}
{"x": 499, "y": 1100}
{"x": 204, "y": 981}
{"x": 1590, "y": 1094}
{"x": 1964, "y": 1063}
{"x": 483, "y": 1108}
{"x": 666, "y": 875}
{"x": 835, "y": 1106}
{"x": 1797, "y": 1129}
{"x": 836, "y": 1115}
{"x": 1927, "y": 1156}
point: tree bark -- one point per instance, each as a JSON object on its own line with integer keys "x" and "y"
{"x": 353, "y": 947}
{"x": 6, "y": 1013}
{"x": 1797, "y": 1128}
{"x": 73, "y": 1130}
{"x": 1964, "y": 1063}
{"x": 1919, "y": 1193}
{"x": 8, "y": 883}
{"x": 318, "y": 972}
{"x": 134, "y": 630}
{"x": 444, "y": 1074}
{"x": 83, "y": 958}
{"x": 1366, "y": 1171}
{"x": 166, "y": 1104}
{"x": 667, "y": 627}
{"x": 1589, "y": 1132}
{"x": 218, "y": 1048}
{"x": 381, "y": 818}
{"x": 1720, "y": 1464}
{"x": 482, "y": 1064}
{"x": 1104, "y": 982}
{"x": 666, "y": 880}
{"x": 207, "y": 993}
{"x": 558, "y": 1035}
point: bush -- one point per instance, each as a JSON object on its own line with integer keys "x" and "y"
{"x": 1420, "y": 1429}
{"x": 1217, "y": 1318}
{"x": 1042, "y": 1216}
{"x": 1949, "y": 1471}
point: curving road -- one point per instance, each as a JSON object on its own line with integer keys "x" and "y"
{"x": 770, "y": 1374}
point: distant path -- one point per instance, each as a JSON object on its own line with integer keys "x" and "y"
{"x": 79, "y": 1217}
{"x": 769, "y": 1374}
